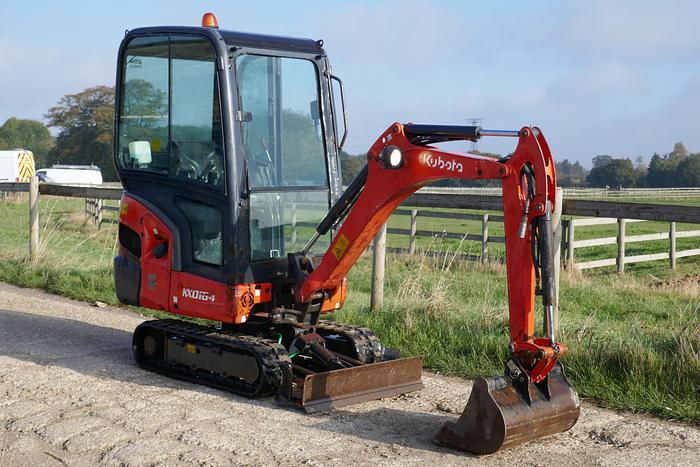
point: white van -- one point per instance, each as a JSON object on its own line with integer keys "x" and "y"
{"x": 71, "y": 174}
{"x": 16, "y": 166}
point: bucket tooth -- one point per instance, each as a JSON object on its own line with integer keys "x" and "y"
{"x": 339, "y": 388}
{"x": 499, "y": 415}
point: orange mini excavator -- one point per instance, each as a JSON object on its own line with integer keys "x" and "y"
{"x": 227, "y": 145}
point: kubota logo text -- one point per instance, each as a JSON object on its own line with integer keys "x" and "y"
{"x": 198, "y": 295}
{"x": 428, "y": 159}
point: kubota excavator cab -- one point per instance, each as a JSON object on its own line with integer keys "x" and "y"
{"x": 227, "y": 146}
{"x": 232, "y": 138}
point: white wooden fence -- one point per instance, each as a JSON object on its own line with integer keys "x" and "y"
{"x": 413, "y": 233}
{"x": 95, "y": 209}
{"x": 622, "y": 240}
{"x": 585, "y": 193}
{"x": 604, "y": 212}
{"x": 569, "y": 243}
{"x": 635, "y": 212}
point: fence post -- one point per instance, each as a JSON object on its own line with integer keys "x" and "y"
{"x": 570, "y": 232}
{"x": 378, "y": 262}
{"x": 672, "y": 237}
{"x": 412, "y": 238}
{"x": 33, "y": 216}
{"x": 485, "y": 238}
{"x": 620, "y": 246}
{"x": 90, "y": 209}
{"x": 556, "y": 223}
{"x": 98, "y": 213}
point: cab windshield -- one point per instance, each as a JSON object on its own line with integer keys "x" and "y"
{"x": 284, "y": 147}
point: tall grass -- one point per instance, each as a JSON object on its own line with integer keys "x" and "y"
{"x": 630, "y": 346}
{"x": 73, "y": 258}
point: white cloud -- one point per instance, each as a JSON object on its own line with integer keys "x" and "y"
{"x": 635, "y": 29}
{"x": 34, "y": 78}
{"x": 597, "y": 77}
{"x": 408, "y": 34}
{"x": 603, "y": 80}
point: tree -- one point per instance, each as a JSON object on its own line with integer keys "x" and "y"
{"x": 640, "y": 171}
{"x": 679, "y": 152}
{"x": 688, "y": 171}
{"x": 615, "y": 173}
{"x": 302, "y": 149}
{"x": 351, "y": 165}
{"x": 601, "y": 160}
{"x": 659, "y": 172}
{"x": 18, "y": 133}
{"x": 85, "y": 128}
{"x": 570, "y": 174}
{"x": 670, "y": 170}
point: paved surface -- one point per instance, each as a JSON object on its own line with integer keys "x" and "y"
{"x": 71, "y": 394}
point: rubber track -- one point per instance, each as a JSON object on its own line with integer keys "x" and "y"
{"x": 369, "y": 347}
{"x": 270, "y": 355}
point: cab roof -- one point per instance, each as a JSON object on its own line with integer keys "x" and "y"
{"x": 239, "y": 39}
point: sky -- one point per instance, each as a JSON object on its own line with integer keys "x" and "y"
{"x": 598, "y": 77}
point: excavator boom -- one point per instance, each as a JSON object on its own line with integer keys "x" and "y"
{"x": 533, "y": 398}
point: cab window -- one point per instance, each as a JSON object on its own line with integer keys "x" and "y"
{"x": 282, "y": 132}
{"x": 283, "y": 142}
{"x": 170, "y": 117}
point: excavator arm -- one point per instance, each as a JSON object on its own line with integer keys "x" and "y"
{"x": 529, "y": 183}
{"x": 531, "y": 400}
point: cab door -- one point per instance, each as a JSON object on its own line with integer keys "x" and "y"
{"x": 170, "y": 153}
{"x": 283, "y": 141}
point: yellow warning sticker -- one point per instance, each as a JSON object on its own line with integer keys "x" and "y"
{"x": 155, "y": 145}
{"x": 190, "y": 348}
{"x": 340, "y": 246}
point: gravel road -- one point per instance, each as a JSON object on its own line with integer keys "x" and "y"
{"x": 71, "y": 394}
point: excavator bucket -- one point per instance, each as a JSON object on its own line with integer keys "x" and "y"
{"x": 339, "y": 388}
{"x": 501, "y": 414}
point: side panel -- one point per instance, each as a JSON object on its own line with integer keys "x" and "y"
{"x": 203, "y": 298}
{"x": 147, "y": 273}
{"x": 199, "y": 297}
{"x": 148, "y": 254}
{"x": 156, "y": 257}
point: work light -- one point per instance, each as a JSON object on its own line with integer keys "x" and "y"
{"x": 392, "y": 157}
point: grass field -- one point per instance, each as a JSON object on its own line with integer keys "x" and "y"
{"x": 634, "y": 340}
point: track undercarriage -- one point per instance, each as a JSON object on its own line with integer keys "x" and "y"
{"x": 319, "y": 367}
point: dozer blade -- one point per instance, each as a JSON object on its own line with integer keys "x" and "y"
{"x": 339, "y": 388}
{"x": 500, "y": 415}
